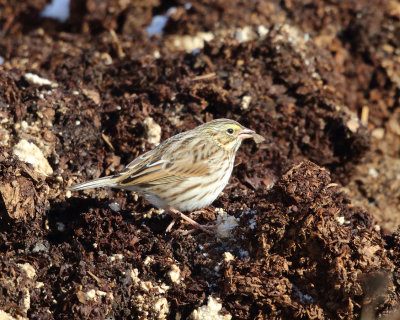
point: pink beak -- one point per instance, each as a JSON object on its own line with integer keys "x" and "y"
{"x": 246, "y": 133}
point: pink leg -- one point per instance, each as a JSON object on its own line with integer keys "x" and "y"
{"x": 177, "y": 213}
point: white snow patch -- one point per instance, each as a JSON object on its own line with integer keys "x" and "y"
{"x": 58, "y": 10}
{"x": 153, "y": 131}
{"x": 225, "y": 223}
{"x": 304, "y": 298}
{"x": 158, "y": 23}
{"x": 253, "y": 220}
{"x": 60, "y": 226}
{"x": 114, "y": 206}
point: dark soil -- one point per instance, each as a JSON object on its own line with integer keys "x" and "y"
{"x": 316, "y": 206}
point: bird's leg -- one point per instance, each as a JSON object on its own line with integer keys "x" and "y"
{"x": 176, "y": 213}
{"x": 171, "y": 224}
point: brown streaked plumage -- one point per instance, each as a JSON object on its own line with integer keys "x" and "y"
{"x": 186, "y": 172}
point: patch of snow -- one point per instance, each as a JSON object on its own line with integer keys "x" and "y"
{"x": 158, "y": 23}
{"x": 225, "y": 223}
{"x": 58, "y": 10}
{"x": 304, "y": 298}
{"x": 114, "y": 206}
{"x": 153, "y": 131}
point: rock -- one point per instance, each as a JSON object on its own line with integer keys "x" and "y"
{"x": 30, "y": 153}
{"x": 153, "y": 131}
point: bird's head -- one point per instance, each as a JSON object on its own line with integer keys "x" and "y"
{"x": 228, "y": 134}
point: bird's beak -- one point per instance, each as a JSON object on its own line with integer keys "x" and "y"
{"x": 246, "y": 133}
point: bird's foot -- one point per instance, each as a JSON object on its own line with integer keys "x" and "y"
{"x": 176, "y": 213}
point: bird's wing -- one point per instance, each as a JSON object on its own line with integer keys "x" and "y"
{"x": 159, "y": 167}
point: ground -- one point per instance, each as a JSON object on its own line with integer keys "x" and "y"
{"x": 307, "y": 227}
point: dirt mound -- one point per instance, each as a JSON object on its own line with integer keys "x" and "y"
{"x": 305, "y": 229}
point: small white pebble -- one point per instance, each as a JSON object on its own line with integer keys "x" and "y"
{"x": 378, "y": 133}
{"x": 228, "y": 257}
{"x": 68, "y": 194}
{"x": 40, "y": 247}
{"x": 373, "y": 173}
{"x": 60, "y": 226}
{"x": 147, "y": 260}
{"x": 262, "y": 30}
{"x": 244, "y": 104}
{"x": 116, "y": 256}
{"x": 35, "y": 79}
{"x": 340, "y": 220}
{"x": 156, "y": 54}
{"x": 174, "y": 274}
{"x": 114, "y": 206}
{"x": 153, "y": 130}
{"x": 353, "y": 124}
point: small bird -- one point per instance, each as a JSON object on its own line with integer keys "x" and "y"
{"x": 184, "y": 173}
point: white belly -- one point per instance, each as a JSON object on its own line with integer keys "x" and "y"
{"x": 199, "y": 198}
{"x": 188, "y": 196}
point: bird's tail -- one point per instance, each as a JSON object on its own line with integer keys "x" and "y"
{"x": 100, "y": 182}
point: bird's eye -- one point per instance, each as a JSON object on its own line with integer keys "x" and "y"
{"x": 230, "y": 130}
